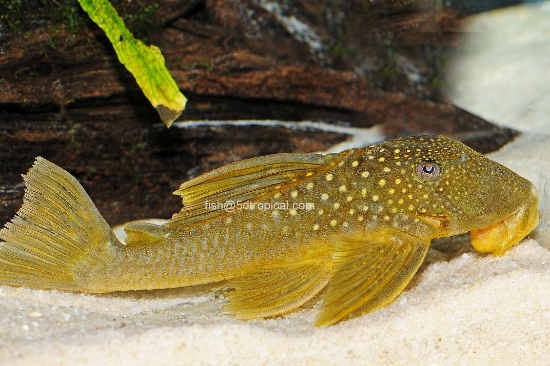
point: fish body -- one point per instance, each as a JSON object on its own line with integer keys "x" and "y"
{"x": 278, "y": 228}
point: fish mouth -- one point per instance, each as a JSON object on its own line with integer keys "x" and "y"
{"x": 499, "y": 237}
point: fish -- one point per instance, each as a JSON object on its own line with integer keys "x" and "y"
{"x": 279, "y": 229}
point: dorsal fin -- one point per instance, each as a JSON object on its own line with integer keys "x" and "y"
{"x": 253, "y": 174}
{"x": 204, "y": 196}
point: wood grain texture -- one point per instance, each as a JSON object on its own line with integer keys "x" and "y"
{"x": 65, "y": 97}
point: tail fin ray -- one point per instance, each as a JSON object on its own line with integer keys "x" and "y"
{"x": 55, "y": 227}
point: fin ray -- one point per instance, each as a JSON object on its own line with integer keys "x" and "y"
{"x": 248, "y": 175}
{"x": 145, "y": 233}
{"x": 370, "y": 272}
{"x": 275, "y": 291}
{"x": 243, "y": 180}
{"x": 54, "y": 228}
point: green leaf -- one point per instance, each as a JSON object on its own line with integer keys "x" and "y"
{"x": 146, "y": 63}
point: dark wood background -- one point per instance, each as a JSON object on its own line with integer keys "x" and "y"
{"x": 64, "y": 96}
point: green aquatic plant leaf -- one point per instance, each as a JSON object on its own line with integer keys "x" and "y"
{"x": 146, "y": 63}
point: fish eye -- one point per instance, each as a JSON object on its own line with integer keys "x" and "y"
{"x": 427, "y": 170}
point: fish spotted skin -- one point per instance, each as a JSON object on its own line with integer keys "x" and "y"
{"x": 280, "y": 228}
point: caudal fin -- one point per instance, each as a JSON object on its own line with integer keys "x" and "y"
{"x": 57, "y": 225}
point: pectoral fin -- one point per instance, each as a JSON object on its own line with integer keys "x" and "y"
{"x": 370, "y": 272}
{"x": 275, "y": 291}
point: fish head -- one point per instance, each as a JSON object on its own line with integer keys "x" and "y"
{"x": 457, "y": 190}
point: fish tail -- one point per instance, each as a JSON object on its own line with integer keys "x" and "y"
{"x": 55, "y": 235}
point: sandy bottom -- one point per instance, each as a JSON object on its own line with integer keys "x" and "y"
{"x": 462, "y": 308}
{"x": 473, "y": 309}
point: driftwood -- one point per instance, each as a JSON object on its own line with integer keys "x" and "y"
{"x": 65, "y": 97}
